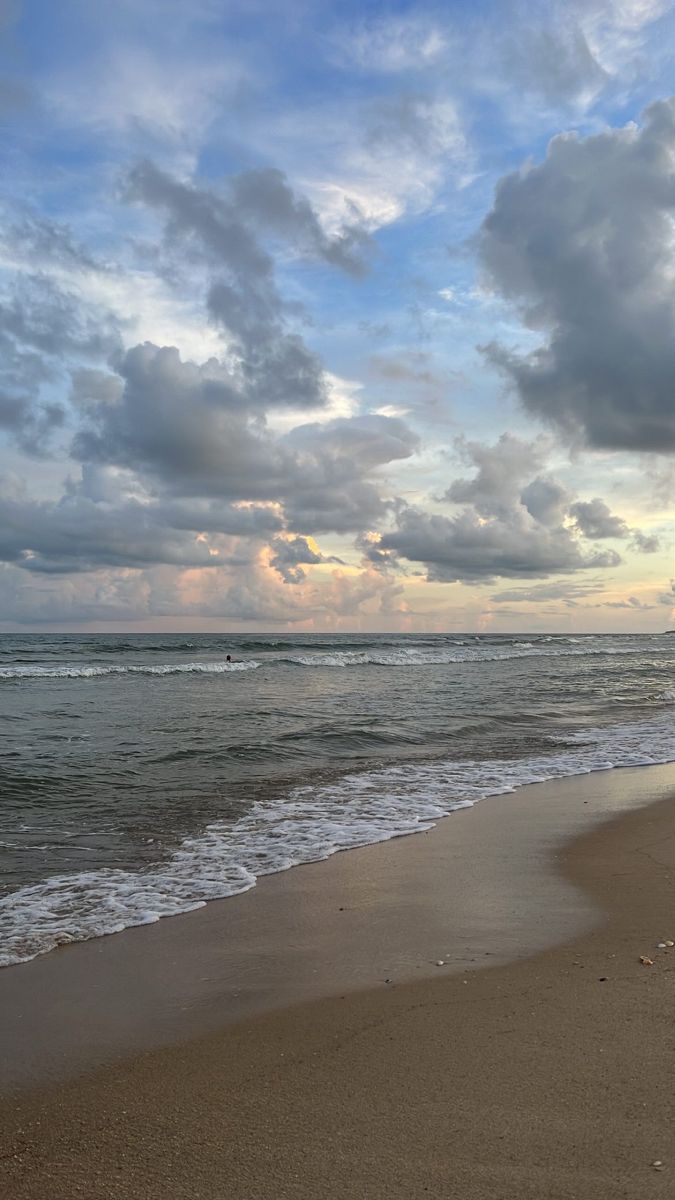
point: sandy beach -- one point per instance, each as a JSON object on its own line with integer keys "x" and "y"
{"x": 547, "y": 1075}
{"x": 337, "y": 600}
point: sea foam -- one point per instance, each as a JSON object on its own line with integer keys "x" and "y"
{"x": 309, "y": 823}
{"x": 415, "y": 656}
{"x": 63, "y": 671}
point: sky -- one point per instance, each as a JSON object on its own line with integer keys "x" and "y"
{"x": 337, "y": 316}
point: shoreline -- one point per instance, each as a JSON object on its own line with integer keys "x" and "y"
{"x": 479, "y": 890}
{"x": 309, "y": 821}
{"x": 547, "y": 1077}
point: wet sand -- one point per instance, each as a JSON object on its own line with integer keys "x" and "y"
{"x": 549, "y": 1076}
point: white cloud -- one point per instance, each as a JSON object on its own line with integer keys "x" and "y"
{"x": 342, "y": 400}
{"x": 616, "y": 29}
{"x": 131, "y": 93}
{"x": 152, "y": 312}
{"x": 146, "y": 306}
{"x": 378, "y": 161}
{"x": 391, "y": 44}
{"x": 391, "y": 410}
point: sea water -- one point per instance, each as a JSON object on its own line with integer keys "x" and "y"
{"x": 141, "y": 776}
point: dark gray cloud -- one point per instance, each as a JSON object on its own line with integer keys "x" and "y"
{"x": 568, "y": 592}
{"x": 370, "y": 547}
{"x": 227, "y": 224}
{"x": 42, "y": 316}
{"x": 469, "y": 549}
{"x": 633, "y": 603}
{"x": 42, "y": 329}
{"x": 187, "y": 427}
{"x": 594, "y": 519}
{"x": 226, "y": 232}
{"x": 290, "y": 554}
{"x": 91, "y": 387}
{"x": 276, "y": 369}
{"x": 211, "y": 225}
{"x": 174, "y": 419}
{"x": 30, "y": 424}
{"x": 582, "y": 243}
{"x": 109, "y": 518}
{"x": 37, "y": 310}
{"x": 174, "y": 465}
{"x": 179, "y": 467}
{"x": 14, "y": 411}
{"x": 546, "y": 500}
{"x": 82, "y": 534}
{"x": 645, "y": 543}
{"x": 24, "y": 418}
{"x": 511, "y": 525}
{"x": 333, "y": 489}
{"x": 217, "y": 516}
{"x": 501, "y": 473}
{"x": 264, "y": 198}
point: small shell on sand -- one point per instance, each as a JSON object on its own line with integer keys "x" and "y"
{"x": 440, "y": 963}
{"x": 660, "y": 945}
{"x": 646, "y": 962}
{"x": 670, "y": 943}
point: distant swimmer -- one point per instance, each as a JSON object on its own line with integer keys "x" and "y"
{"x": 228, "y": 659}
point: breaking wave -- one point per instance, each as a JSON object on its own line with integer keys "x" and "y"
{"x": 398, "y": 656}
{"x": 33, "y": 671}
{"x": 408, "y": 657}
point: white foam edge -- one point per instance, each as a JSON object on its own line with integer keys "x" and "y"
{"x": 312, "y": 823}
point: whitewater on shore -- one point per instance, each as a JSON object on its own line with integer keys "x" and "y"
{"x": 143, "y": 776}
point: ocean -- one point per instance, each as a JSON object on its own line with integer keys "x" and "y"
{"x": 143, "y": 775}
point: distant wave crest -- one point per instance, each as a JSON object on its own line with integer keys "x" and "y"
{"x": 412, "y": 657}
{"x": 419, "y": 654}
{"x": 93, "y": 672}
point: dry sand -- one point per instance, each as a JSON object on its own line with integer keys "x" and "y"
{"x": 552, "y": 1077}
